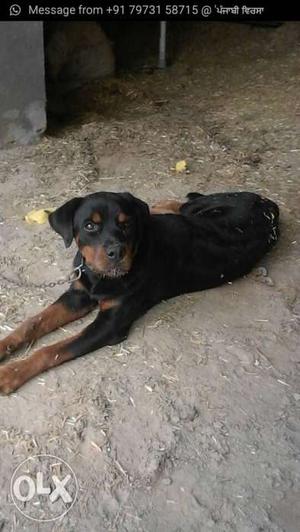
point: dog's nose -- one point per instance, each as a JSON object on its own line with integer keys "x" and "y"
{"x": 115, "y": 251}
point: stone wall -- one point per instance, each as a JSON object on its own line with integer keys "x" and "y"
{"x": 22, "y": 82}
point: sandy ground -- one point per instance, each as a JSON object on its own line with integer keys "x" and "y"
{"x": 193, "y": 423}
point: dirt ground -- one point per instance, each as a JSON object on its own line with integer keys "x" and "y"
{"x": 192, "y": 424}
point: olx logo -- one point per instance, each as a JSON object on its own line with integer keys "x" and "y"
{"x": 44, "y": 487}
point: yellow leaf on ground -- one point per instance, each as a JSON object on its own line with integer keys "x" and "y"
{"x": 39, "y": 216}
{"x": 181, "y": 166}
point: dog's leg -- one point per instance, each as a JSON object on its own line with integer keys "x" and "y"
{"x": 110, "y": 327}
{"x": 166, "y": 207}
{"x": 72, "y": 305}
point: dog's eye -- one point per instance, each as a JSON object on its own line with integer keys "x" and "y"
{"x": 125, "y": 225}
{"x": 91, "y": 227}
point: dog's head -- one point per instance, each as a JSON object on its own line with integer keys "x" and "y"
{"x": 108, "y": 228}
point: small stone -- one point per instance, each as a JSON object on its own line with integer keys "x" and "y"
{"x": 296, "y": 396}
{"x": 261, "y": 272}
{"x": 268, "y": 281}
{"x": 166, "y": 481}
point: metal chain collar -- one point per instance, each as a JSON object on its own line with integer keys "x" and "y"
{"x": 71, "y": 277}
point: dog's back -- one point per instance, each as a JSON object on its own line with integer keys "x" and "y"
{"x": 229, "y": 233}
{"x": 245, "y": 213}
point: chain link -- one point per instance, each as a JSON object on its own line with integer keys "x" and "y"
{"x": 71, "y": 277}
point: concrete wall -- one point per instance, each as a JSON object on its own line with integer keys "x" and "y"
{"x": 22, "y": 82}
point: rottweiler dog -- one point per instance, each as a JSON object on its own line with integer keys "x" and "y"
{"x": 131, "y": 258}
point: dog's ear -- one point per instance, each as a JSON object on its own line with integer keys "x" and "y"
{"x": 142, "y": 207}
{"x": 61, "y": 220}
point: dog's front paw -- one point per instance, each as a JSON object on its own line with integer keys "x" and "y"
{"x": 10, "y": 378}
{"x": 6, "y": 348}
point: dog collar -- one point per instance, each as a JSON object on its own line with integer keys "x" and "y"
{"x": 78, "y": 270}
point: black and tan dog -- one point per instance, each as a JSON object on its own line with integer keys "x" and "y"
{"x": 133, "y": 258}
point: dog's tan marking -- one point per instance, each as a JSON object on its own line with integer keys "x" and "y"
{"x": 166, "y": 207}
{"x": 96, "y": 217}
